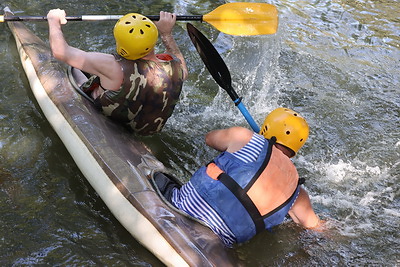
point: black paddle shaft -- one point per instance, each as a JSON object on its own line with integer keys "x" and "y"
{"x": 180, "y": 17}
{"x": 216, "y": 66}
{"x": 213, "y": 61}
{"x": 79, "y": 18}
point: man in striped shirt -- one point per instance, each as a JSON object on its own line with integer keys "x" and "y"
{"x": 252, "y": 185}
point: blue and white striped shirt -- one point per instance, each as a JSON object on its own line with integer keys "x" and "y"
{"x": 251, "y": 151}
{"x": 188, "y": 200}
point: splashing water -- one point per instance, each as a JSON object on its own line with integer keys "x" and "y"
{"x": 335, "y": 62}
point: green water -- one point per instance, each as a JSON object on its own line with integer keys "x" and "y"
{"x": 336, "y": 62}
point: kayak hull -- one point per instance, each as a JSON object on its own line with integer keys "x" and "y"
{"x": 117, "y": 166}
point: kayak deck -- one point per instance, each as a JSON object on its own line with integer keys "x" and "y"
{"x": 116, "y": 165}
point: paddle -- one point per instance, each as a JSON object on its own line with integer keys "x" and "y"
{"x": 232, "y": 18}
{"x": 218, "y": 69}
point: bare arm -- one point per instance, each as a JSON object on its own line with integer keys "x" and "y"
{"x": 60, "y": 48}
{"x": 164, "y": 26}
{"x": 231, "y": 139}
{"x": 302, "y": 212}
{"x": 100, "y": 64}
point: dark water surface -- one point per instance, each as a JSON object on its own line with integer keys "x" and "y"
{"x": 336, "y": 62}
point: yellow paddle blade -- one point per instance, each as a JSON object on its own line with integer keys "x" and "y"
{"x": 244, "y": 18}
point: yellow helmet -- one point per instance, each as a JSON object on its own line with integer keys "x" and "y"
{"x": 289, "y": 128}
{"x": 135, "y": 36}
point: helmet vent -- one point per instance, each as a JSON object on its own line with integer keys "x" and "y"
{"x": 263, "y": 131}
{"x": 123, "y": 52}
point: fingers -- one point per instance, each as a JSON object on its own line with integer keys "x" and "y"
{"x": 57, "y": 14}
{"x": 167, "y": 16}
{"x": 166, "y": 22}
{"x": 63, "y": 20}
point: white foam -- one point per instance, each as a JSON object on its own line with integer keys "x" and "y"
{"x": 338, "y": 172}
{"x": 391, "y": 212}
{"x": 368, "y": 199}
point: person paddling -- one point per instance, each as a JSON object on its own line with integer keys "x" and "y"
{"x": 252, "y": 185}
{"x": 135, "y": 86}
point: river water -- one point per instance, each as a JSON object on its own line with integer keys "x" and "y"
{"x": 335, "y": 61}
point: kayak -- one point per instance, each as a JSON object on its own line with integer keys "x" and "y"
{"x": 118, "y": 167}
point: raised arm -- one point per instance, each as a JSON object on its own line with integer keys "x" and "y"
{"x": 164, "y": 26}
{"x": 59, "y": 47}
{"x": 100, "y": 64}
